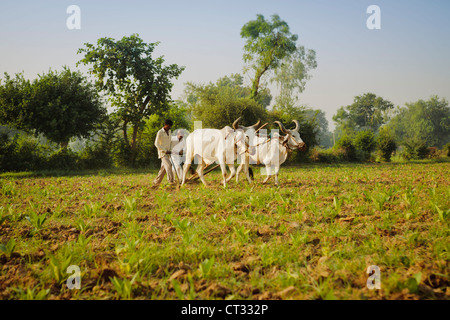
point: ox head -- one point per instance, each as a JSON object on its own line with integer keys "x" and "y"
{"x": 292, "y": 139}
{"x": 249, "y": 132}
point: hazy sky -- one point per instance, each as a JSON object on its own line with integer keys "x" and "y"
{"x": 408, "y": 59}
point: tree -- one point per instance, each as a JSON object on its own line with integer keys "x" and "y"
{"x": 267, "y": 44}
{"x": 292, "y": 74}
{"x": 137, "y": 84}
{"x": 219, "y": 104}
{"x": 59, "y": 105}
{"x": 422, "y": 121}
{"x": 367, "y": 112}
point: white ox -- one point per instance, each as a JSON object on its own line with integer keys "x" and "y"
{"x": 214, "y": 145}
{"x": 272, "y": 152}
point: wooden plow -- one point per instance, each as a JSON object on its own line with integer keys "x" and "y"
{"x": 195, "y": 175}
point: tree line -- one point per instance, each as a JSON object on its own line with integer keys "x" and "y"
{"x": 113, "y": 121}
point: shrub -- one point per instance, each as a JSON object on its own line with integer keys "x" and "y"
{"x": 325, "y": 156}
{"x": 20, "y": 153}
{"x": 433, "y": 153}
{"x": 347, "y": 149}
{"x": 386, "y": 143}
{"x": 365, "y": 141}
{"x": 95, "y": 156}
{"x": 63, "y": 159}
{"x": 447, "y": 149}
{"x": 414, "y": 149}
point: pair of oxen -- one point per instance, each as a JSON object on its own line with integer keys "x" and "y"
{"x": 246, "y": 145}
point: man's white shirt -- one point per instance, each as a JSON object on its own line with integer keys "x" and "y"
{"x": 163, "y": 142}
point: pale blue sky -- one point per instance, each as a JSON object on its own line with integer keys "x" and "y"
{"x": 408, "y": 59}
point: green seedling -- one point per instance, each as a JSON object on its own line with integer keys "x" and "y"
{"x": 379, "y": 200}
{"x": 82, "y": 225}
{"x": 243, "y": 234}
{"x": 177, "y": 289}
{"x": 3, "y": 215}
{"x": 32, "y": 293}
{"x": 130, "y": 205}
{"x": 91, "y": 210}
{"x": 442, "y": 214}
{"x": 37, "y": 221}
{"x": 124, "y": 286}
{"x": 205, "y": 267}
{"x": 59, "y": 268}
{"x": 337, "y": 203}
{"x": 182, "y": 225}
{"x": 8, "y": 249}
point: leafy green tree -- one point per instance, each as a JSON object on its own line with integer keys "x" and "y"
{"x": 138, "y": 85}
{"x": 219, "y": 104}
{"x": 59, "y": 105}
{"x": 367, "y": 112}
{"x": 267, "y": 44}
{"x": 422, "y": 121}
{"x": 386, "y": 143}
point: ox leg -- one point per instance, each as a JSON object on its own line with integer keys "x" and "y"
{"x": 186, "y": 167}
{"x": 223, "y": 167}
{"x": 246, "y": 168}
{"x": 267, "y": 173}
{"x": 232, "y": 172}
{"x": 200, "y": 168}
{"x": 238, "y": 171}
{"x": 277, "y": 169}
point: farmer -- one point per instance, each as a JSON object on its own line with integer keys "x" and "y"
{"x": 163, "y": 144}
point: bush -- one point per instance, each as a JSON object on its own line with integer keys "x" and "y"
{"x": 346, "y": 148}
{"x": 433, "y": 153}
{"x": 63, "y": 159}
{"x": 447, "y": 149}
{"x": 414, "y": 149}
{"x": 97, "y": 156}
{"x": 20, "y": 153}
{"x": 324, "y": 156}
{"x": 365, "y": 141}
{"x": 386, "y": 144}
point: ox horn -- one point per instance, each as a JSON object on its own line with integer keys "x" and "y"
{"x": 283, "y": 129}
{"x": 297, "y": 125}
{"x": 235, "y": 123}
{"x": 255, "y": 126}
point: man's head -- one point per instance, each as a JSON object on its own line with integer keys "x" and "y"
{"x": 168, "y": 124}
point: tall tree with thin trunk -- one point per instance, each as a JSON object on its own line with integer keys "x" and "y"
{"x": 267, "y": 43}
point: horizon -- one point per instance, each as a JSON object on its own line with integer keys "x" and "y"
{"x": 404, "y": 61}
